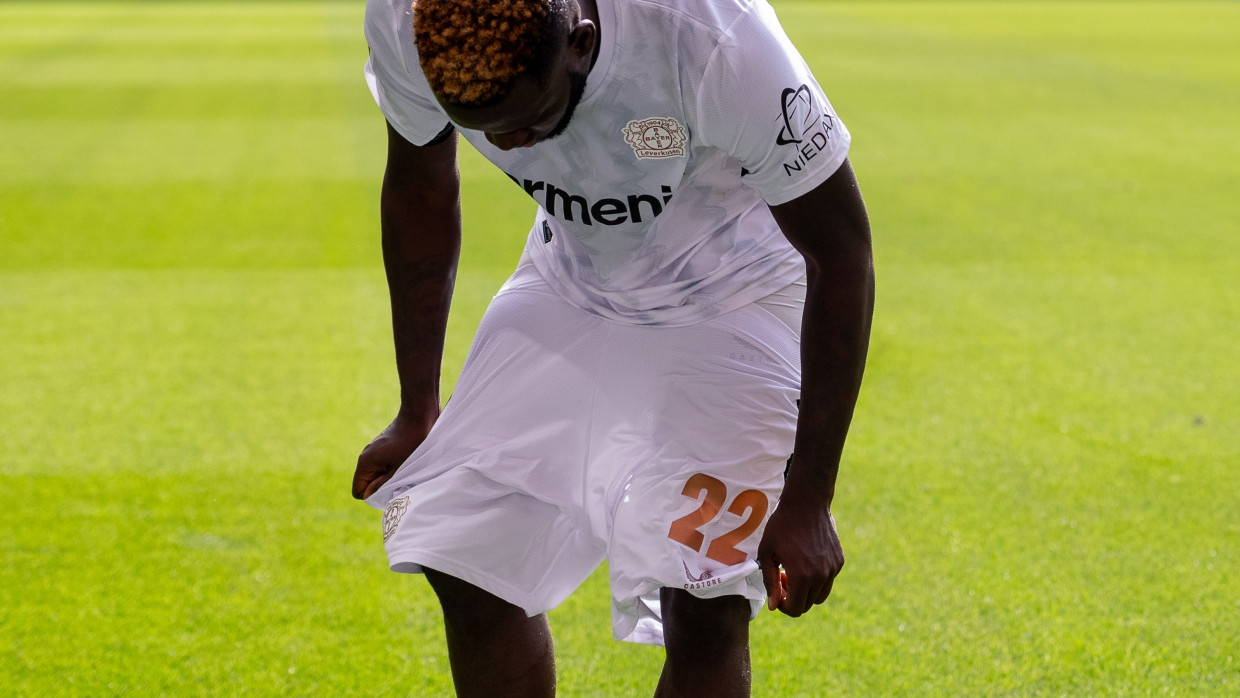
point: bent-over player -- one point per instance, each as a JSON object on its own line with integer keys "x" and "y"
{"x": 692, "y": 307}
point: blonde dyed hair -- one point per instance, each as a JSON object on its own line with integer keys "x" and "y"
{"x": 472, "y": 50}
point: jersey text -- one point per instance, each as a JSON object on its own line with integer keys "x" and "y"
{"x": 571, "y": 207}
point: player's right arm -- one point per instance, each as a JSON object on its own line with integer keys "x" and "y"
{"x": 420, "y": 216}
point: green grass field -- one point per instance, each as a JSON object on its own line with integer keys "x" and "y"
{"x": 1041, "y": 495}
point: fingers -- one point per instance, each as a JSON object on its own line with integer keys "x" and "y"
{"x": 360, "y": 481}
{"x": 383, "y": 456}
{"x": 824, "y": 592}
{"x": 370, "y": 475}
{"x": 796, "y": 597}
{"x": 375, "y": 484}
{"x": 804, "y": 591}
{"x": 801, "y": 598}
{"x": 775, "y": 580}
{"x": 783, "y": 588}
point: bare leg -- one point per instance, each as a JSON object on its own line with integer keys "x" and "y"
{"x": 707, "y": 646}
{"x": 493, "y": 647}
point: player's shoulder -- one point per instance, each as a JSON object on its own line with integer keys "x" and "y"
{"x": 389, "y": 34}
{"x": 388, "y": 16}
{"x": 389, "y": 7}
{"x": 715, "y": 16}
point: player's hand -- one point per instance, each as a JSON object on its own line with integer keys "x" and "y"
{"x": 382, "y": 456}
{"x": 799, "y": 555}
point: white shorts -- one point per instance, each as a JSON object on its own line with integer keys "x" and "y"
{"x": 572, "y": 438}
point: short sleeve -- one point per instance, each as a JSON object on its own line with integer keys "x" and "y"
{"x": 394, "y": 77}
{"x": 759, "y": 102}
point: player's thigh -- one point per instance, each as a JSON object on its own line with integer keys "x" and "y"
{"x": 692, "y": 621}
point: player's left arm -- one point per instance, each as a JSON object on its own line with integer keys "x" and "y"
{"x": 830, "y": 228}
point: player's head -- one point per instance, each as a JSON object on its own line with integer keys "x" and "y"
{"x": 514, "y": 69}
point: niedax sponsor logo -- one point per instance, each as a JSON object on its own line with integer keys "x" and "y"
{"x": 805, "y": 127}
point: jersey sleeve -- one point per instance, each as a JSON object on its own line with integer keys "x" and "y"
{"x": 759, "y": 102}
{"x": 394, "y": 77}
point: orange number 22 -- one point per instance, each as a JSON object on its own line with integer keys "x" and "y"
{"x": 722, "y": 549}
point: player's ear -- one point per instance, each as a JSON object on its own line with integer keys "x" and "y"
{"x": 582, "y": 39}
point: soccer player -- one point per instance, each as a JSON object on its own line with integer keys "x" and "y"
{"x": 691, "y": 308}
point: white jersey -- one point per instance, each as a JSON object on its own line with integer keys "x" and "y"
{"x": 653, "y": 204}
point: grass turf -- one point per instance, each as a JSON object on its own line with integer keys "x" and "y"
{"x": 1039, "y": 496}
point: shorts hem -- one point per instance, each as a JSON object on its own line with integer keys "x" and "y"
{"x": 643, "y": 636}
{"x": 416, "y": 561}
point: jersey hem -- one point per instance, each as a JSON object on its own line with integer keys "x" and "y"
{"x": 783, "y": 270}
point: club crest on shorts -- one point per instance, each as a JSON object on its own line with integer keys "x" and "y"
{"x": 656, "y": 137}
{"x": 392, "y": 515}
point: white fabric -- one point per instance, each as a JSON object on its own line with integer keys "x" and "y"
{"x": 571, "y": 438}
{"x": 672, "y": 227}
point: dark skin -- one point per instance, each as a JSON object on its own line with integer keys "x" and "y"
{"x": 420, "y": 217}
{"x": 799, "y": 553}
{"x": 831, "y": 230}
